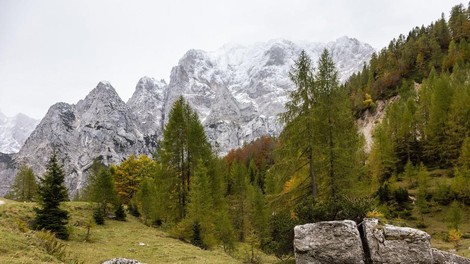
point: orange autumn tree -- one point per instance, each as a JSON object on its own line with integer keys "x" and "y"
{"x": 129, "y": 174}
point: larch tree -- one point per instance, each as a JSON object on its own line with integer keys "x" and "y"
{"x": 100, "y": 188}
{"x": 201, "y": 214}
{"x": 25, "y": 187}
{"x": 130, "y": 173}
{"x": 298, "y": 133}
{"x": 319, "y": 129}
{"x": 184, "y": 144}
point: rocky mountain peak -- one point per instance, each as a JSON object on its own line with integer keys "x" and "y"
{"x": 147, "y": 86}
{"x": 14, "y": 131}
{"x": 147, "y": 105}
{"x": 103, "y": 91}
{"x": 194, "y": 57}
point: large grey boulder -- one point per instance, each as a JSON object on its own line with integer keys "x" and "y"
{"x": 442, "y": 257}
{"x": 121, "y": 261}
{"x": 328, "y": 243}
{"x": 391, "y": 244}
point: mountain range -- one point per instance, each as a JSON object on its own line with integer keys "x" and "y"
{"x": 237, "y": 91}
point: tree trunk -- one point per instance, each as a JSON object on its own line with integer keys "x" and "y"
{"x": 332, "y": 156}
{"x": 312, "y": 176}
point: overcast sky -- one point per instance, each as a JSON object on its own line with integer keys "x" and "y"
{"x": 56, "y": 50}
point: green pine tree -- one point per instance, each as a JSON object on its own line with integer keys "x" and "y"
{"x": 52, "y": 193}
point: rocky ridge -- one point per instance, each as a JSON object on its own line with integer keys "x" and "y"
{"x": 237, "y": 92}
{"x": 99, "y": 126}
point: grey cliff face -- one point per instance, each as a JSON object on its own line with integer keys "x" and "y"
{"x": 147, "y": 105}
{"x": 98, "y": 126}
{"x": 237, "y": 92}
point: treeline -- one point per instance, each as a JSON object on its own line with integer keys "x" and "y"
{"x": 408, "y": 59}
{"x": 419, "y": 158}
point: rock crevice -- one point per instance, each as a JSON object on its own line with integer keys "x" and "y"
{"x": 370, "y": 242}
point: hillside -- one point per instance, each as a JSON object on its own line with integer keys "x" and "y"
{"x": 18, "y": 244}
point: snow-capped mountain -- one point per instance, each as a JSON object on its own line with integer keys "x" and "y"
{"x": 14, "y": 131}
{"x": 237, "y": 91}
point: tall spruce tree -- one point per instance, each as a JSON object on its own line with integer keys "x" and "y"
{"x": 52, "y": 193}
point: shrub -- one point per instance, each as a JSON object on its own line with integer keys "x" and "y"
{"x": 281, "y": 229}
{"x": 133, "y": 210}
{"x": 344, "y": 207}
{"x": 196, "y": 238}
{"x": 401, "y": 196}
{"x": 384, "y": 193}
{"x": 444, "y": 194}
{"x": 54, "y": 247}
{"x": 374, "y": 214}
{"x": 454, "y": 237}
{"x": 98, "y": 216}
{"x": 120, "y": 213}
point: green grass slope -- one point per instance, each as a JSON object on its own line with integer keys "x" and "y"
{"x": 129, "y": 239}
